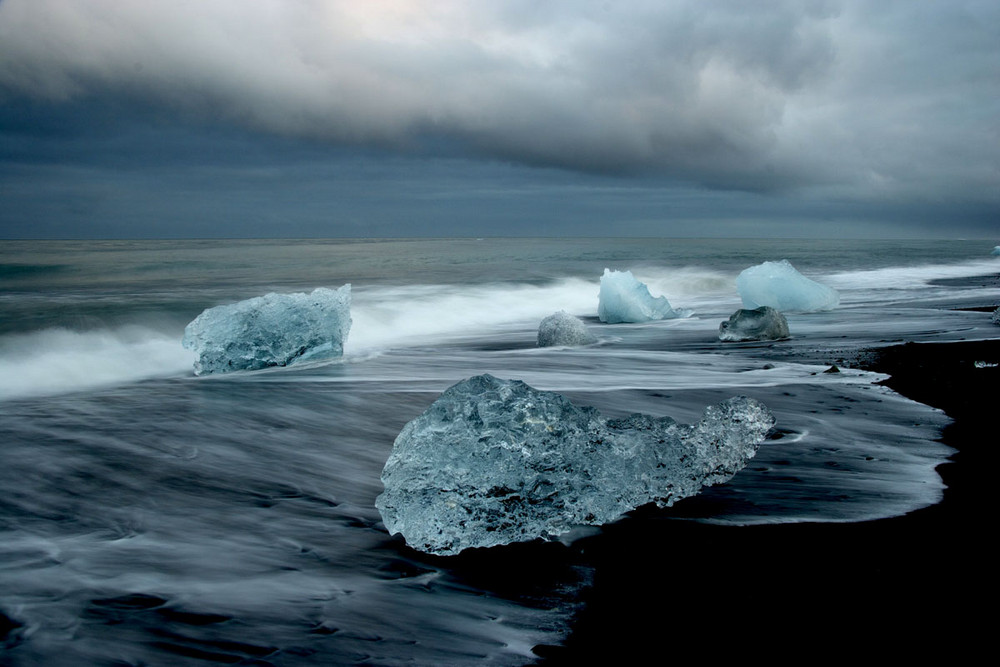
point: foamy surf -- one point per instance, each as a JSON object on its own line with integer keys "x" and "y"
{"x": 59, "y": 361}
{"x": 910, "y": 277}
{"x": 418, "y": 315}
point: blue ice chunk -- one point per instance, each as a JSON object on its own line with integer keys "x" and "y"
{"x": 494, "y": 461}
{"x": 563, "y": 329}
{"x": 996, "y": 250}
{"x": 271, "y": 330}
{"x": 764, "y": 323}
{"x": 780, "y": 286}
{"x": 624, "y": 299}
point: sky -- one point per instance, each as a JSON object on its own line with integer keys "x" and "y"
{"x": 404, "y": 118}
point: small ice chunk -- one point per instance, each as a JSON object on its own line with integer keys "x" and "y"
{"x": 996, "y": 316}
{"x": 625, "y": 299}
{"x": 764, "y": 323}
{"x": 996, "y": 250}
{"x": 779, "y": 285}
{"x": 494, "y": 461}
{"x": 271, "y": 330}
{"x": 563, "y": 329}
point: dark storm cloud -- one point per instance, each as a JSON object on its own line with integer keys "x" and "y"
{"x": 723, "y": 93}
{"x": 839, "y": 101}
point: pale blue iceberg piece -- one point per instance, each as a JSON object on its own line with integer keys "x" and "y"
{"x": 780, "y": 286}
{"x": 562, "y": 329}
{"x": 271, "y": 330}
{"x": 494, "y": 461}
{"x": 996, "y": 251}
{"x": 625, "y": 299}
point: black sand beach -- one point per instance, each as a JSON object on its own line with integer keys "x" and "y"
{"x": 911, "y": 586}
{"x": 181, "y": 521}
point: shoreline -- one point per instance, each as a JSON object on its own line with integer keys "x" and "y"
{"x": 899, "y": 586}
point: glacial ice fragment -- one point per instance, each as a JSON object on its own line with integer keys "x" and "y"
{"x": 563, "y": 329}
{"x": 779, "y": 285}
{"x": 764, "y": 323}
{"x": 996, "y": 316}
{"x": 271, "y": 330}
{"x": 495, "y": 461}
{"x": 624, "y": 299}
{"x": 996, "y": 250}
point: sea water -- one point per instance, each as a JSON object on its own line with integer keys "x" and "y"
{"x": 151, "y": 516}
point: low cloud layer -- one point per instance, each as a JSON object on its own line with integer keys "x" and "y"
{"x": 760, "y": 96}
{"x": 859, "y": 100}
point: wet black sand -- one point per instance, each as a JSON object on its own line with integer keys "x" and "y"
{"x": 911, "y": 586}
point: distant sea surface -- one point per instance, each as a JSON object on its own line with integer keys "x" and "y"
{"x": 148, "y": 516}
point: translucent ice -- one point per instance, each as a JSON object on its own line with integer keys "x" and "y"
{"x": 495, "y": 461}
{"x": 271, "y": 330}
{"x": 996, "y": 250}
{"x": 779, "y": 285}
{"x": 563, "y": 329}
{"x": 764, "y": 323}
{"x": 996, "y": 316}
{"x": 625, "y": 299}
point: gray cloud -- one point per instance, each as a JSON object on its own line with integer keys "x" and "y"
{"x": 858, "y": 100}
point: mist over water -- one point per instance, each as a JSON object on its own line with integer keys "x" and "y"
{"x": 147, "y": 515}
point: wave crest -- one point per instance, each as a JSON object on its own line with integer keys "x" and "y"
{"x": 57, "y": 361}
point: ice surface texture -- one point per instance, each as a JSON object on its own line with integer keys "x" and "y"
{"x": 996, "y": 316}
{"x": 764, "y": 323}
{"x": 271, "y": 330}
{"x": 495, "y": 461}
{"x": 563, "y": 329}
{"x": 625, "y": 299}
{"x": 779, "y": 285}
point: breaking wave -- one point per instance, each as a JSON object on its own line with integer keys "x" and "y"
{"x": 389, "y": 317}
{"x": 910, "y": 277}
{"x": 61, "y": 360}
{"x": 55, "y": 361}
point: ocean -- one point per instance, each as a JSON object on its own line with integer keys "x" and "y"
{"x": 149, "y": 516}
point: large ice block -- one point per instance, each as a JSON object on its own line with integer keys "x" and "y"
{"x": 494, "y": 461}
{"x": 780, "y": 286}
{"x": 624, "y": 299}
{"x": 271, "y": 330}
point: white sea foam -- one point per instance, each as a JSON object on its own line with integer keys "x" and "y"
{"x": 909, "y": 277}
{"x": 685, "y": 282}
{"x": 697, "y": 288}
{"x": 57, "y": 361}
{"x": 387, "y": 317}
{"x": 427, "y": 314}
